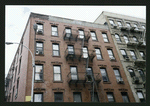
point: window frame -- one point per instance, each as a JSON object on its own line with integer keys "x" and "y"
{"x": 111, "y": 52}
{"x": 135, "y": 39}
{"x": 19, "y": 64}
{"x": 55, "y": 93}
{"x": 132, "y": 74}
{"x": 57, "y": 73}
{"x": 56, "y": 50}
{"x": 80, "y": 34}
{"x": 39, "y": 28}
{"x": 105, "y": 73}
{"x": 93, "y": 36}
{"x": 77, "y": 93}
{"x": 40, "y": 73}
{"x": 126, "y": 39}
{"x": 124, "y": 56}
{"x": 16, "y": 95}
{"x": 141, "y": 99}
{"x": 117, "y": 76}
{"x": 117, "y": 39}
{"x": 38, "y": 93}
{"x": 127, "y": 97}
{"x": 68, "y": 33}
{"x": 119, "y": 24}
{"x": 76, "y": 72}
{"x": 40, "y": 47}
{"x": 127, "y": 23}
{"x": 71, "y": 51}
{"x": 100, "y": 53}
{"x": 83, "y": 52}
{"x": 105, "y": 37}
{"x": 54, "y": 31}
{"x": 142, "y": 75}
{"x": 110, "y": 21}
{"x": 111, "y": 95}
{"x": 143, "y": 54}
{"x": 133, "y": 56}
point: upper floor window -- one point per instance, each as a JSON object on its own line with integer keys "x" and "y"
{"x": 142, "y": 74}
{"x": 128, "y": 24}
{"x": 19, "y": 65}
{"x": 117, "y": 73}
{"x": 123, "y": 53}
{"x": 58, "y": 96}
{"x": 89, "y": 73}
{"x": 126, "y": 38}
{"x": 85, "y": 52}
{"x": 39, "y": 28}
{"x": 104, "y": 74}
{"x": 70, "y": 49}
{"x": 39, "y": 47}
{"x": 39, "y": 72}
{"x": 132, "y": 54}
{"x": 143, "y": 26}
{"x": 98, "y": 53}
{"x": 119, "y": 23}
{"x": 140, "y": 95}
{"x": 117, "y": 38}
{"x": 135, "y": 25}
{"x": 96, "y": 99}
{"x": 110, "y": 53}
{"x": 125, "y": 97}
{"x": 111, "y": 22}
{"x": 74, "y": 74}
{"x": 81, "y": 34}
{"x": 57, "y": 73}
{"x": 105, "y": 37}
{"x": 54, "y": 31}
{"x": 142, "y": 55}
{"x": 132, "y": 74}
{"x": 77, "y": 96}
{"x": 135, "y": 39}
{"x": 93, "y": 35}
{"x": 56, "y": 50}
{"x": 38, "y": 97}
{"x": 110, "y": 96}
{"x": 17, "y": 88}
{"x": 68, "y": 32}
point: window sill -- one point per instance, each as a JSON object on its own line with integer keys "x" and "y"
{"x": 39, "y": 54}
{"x": 40, "y": 81}
{"x": 106, "y": 42}
{"x": 57, "y": 56}
{"x": 54, "y": 36}
{"x": 39, "y": 34}
{"x": 107, "y": 82}
{"x": 113, "y": 60}
{"x": 57, "y": 81}
{"x": 100, "y": 59}
{"x": 95, "y": 40}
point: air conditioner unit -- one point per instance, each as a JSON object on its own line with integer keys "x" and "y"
{"x": 136, "y": 79}
{"x": 120, "y": 80}
{"x": 37, "y": 51}
{"x": 40, "y": 31}
{"x": 112, "y": 58}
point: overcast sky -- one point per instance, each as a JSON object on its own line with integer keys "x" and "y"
{"x": 16, "y": 18}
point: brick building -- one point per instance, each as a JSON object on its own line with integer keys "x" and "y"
{"x": 129, "y": 36}
{"x": 76, "y": 61}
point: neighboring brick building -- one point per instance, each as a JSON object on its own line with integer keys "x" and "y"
{"x": 129, "y": 36}
{"x": 73, "y": 60}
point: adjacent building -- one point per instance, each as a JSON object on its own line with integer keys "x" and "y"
{"x": 76, "y": 61}
{"x": 129, "y": 36}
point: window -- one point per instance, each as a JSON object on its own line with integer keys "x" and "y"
{"x": 39, "y": 48}
{"x": 119, "y": 23}
{"x": 117, "y": 38}
{"x": 117, "y": 73}
{"x": 39, "y": 28}
{"x": 74, "y": 74}
{"x": 110, "y": 96}
{"x": 70, "y": 49}
{"x": 142, "y": 75}
{"x": 141, "y": 97}
{"x": 105, "y": 37}
{"x": 81, "y": 34}
{"x": 17, "y": 88}
{"x": 123, "y": 53}
{"x": 126, "y": 39}
{"x": 38, "y": 97}
{"x": 125, "y": 97}
{"x": 15, "y": 73}
{"x": 68, "y": 32}
{"x": 132, "y": 74}
{"x": 128, "y": 24}
{"x": 110, "y": 53}
{"x": 57, "y": 73}
{"x": 89, "y": 73}
{"x": 85, "y": 52}
{"x": 93, "y": 35}
{"x": 77, "y": 97}
{"x": 21, "y": 46}
{"x": 135, "y": 25}
{"x": 38, "y": 72}
{"x": 142, "y": 55}
{"x": 143, "y": 26}
{"x": 58, "y": 96}
{"x": 19, "y": 65}
{"x": 104, "y": 75}
{"x": 111, "y": 22}
{"x": 55, "y": 49}
{"x": 96, "y": 99}
{"x": 54, "y": 31}
{"x": 135, "y": 39}
{"x": 98, "y": 53}
{"x": 133, "y": 54}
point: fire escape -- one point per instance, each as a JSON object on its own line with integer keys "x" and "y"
{"x": 81, "y": 54}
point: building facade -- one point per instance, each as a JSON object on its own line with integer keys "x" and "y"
{"x": 75, "y": 61}
{"x": 129, "y": 36}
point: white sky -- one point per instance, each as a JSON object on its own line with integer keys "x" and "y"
{"x": 16, "y": 18}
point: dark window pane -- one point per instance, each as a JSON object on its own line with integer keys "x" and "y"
{"x": 58, "y": 96}
{"x": 77, "y": 97}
